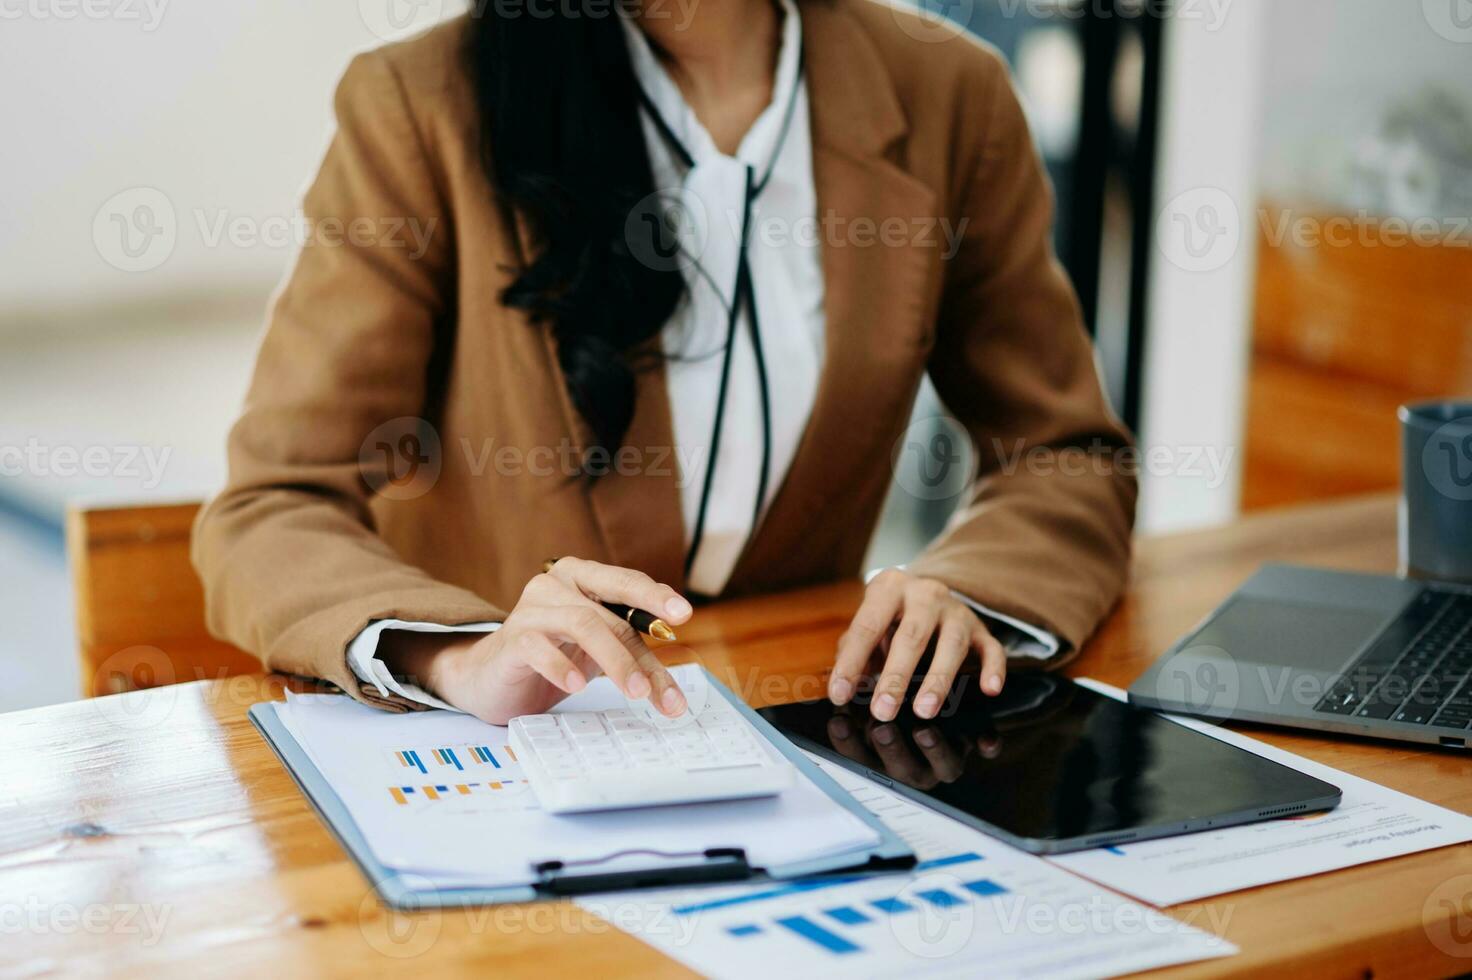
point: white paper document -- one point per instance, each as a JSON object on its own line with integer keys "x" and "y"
{"x": 974, "y": 907}
{"x": 442, "y": 795}
{"x": 1371, "y": 824}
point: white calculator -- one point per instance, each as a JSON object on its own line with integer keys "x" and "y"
{"x": 617, "y": 758}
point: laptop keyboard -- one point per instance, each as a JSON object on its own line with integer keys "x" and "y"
{"x": 1417, "y": 670}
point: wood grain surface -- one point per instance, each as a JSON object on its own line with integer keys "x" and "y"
{"x": 153, "y": 833}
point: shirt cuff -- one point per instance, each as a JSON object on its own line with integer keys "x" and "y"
{"x": 364, "y": 660}
{"x": 1019, "y": 639}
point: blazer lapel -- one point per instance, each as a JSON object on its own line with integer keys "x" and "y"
{"x": 637, "y": 504}
{"x": 878, "y": 298}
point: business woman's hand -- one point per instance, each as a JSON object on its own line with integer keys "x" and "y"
{"x": 554, "y": 641}
{"x": 900, "y": 615}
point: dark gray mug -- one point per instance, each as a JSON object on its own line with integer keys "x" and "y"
{"x": 1436, "y": 501}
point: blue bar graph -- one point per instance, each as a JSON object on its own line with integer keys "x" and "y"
{"x": 811, "y": 931}
{"x": 941, "y": 898}
{"x": 985, "y": 888}
{"x": 892, "y": 906}
{"x": 949, "y": 861}
{"x": 822, "y": 926}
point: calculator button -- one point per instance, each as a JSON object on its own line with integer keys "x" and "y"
{"x": 716, "y": 718}
{"x": 638, "y": 738}
{"x": 617, "y": 714}
{"x": 724, "y": 731}
{"x": 585, "y": 739}
{"x": 582, "y": 723}
{"x": 716, "y": 762}
{"x": 534, "y": 722}
{"x": 629, "y": 725}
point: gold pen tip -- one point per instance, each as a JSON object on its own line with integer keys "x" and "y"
{"x": 660, "y": 630}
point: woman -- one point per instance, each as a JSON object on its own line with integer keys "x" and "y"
{"x": 678, "y": 275}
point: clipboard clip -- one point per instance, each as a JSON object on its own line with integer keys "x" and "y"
{"x": 677, "y": 868}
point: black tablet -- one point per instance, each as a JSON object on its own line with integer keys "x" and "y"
{"x": 1050, "y": 766}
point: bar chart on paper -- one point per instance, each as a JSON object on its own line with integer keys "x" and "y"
{"x": 971, "y": 903}
{"x": 838, "y": 923}
{"x": 457, "y": 778}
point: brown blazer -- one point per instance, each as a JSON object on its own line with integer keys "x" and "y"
{"x": 299, "y": 553}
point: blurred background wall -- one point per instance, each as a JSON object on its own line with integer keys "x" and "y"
{"x": 155, "y": 152}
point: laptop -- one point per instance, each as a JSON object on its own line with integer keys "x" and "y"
{"x": 1328, "y": 651}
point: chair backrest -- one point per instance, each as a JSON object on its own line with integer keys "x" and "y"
{"x": 140, "y": 607}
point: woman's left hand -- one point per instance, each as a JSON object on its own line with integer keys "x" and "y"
{"x": 907, "y": 612}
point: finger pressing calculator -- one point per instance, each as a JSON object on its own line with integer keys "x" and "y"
{"x": 580, "y": 761}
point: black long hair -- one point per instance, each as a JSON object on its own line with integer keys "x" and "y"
{"x": 561, "y": 141}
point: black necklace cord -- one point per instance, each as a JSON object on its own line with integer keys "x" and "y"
{"x": 744, "y": 294}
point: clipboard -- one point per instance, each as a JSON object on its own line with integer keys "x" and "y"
{"x": 627, "y": 869}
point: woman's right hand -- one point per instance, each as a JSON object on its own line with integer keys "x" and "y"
{"x": 556, "y": 639}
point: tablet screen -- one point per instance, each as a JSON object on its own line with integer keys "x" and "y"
{"x": 1055, "y": 766}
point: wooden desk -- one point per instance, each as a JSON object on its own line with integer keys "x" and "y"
{"x": 154, "y": 833}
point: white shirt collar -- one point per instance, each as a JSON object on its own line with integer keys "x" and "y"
{"x": 761, "y": 139}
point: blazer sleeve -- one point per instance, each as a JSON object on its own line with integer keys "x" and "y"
{"x": 291, "y": 565}
{"x": 1045, "y": 533}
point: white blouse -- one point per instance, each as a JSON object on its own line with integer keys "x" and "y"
{"x": 706, "y": 203}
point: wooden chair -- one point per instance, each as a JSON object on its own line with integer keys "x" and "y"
{"x": 140, "y": 607}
